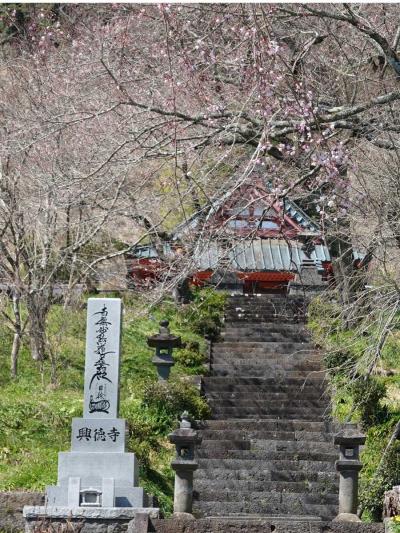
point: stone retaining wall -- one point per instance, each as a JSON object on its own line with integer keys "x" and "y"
{"x": 259, "y": 526}
{"x": 11, "y": 505}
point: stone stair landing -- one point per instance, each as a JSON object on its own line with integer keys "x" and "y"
{"x": 267, "y": 455}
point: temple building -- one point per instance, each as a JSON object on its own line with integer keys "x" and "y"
{"x": 247, "y": 241}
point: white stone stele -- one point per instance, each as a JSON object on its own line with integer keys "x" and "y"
{"x": 103, "y": 338}
{"x": 106, "y": 513}
{"x": 97, "y": 478}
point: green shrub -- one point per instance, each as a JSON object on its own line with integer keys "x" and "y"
{"x": 174, "y": 397}
{"x": 339, "y": 362}
{"x": 208, "y": 327}
{"x": 394, "y": 527}
{"x": 373, "y": 485}
{"x": 189, "y": 358}
{"x": 368, "y": 394}
{"x": 207, "y": 312}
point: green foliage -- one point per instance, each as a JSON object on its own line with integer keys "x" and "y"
{"x": 37, "y": 408}
{"x": 207, "y": 312}
{"x": 171, "y": 398}
{"x": 339, "y": 362}
{"x": 189, "y": 358}
{"x": 368, "y": 394}
{"x": 394, "y": 525}
{"x": 373, "y": 484}
{"x": 358, "y": 394}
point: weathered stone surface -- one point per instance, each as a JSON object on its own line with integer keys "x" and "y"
{"x": 84, "y": 513}
{"x": 348, "y": 527}
{"x": 85, "y": 520}
{"x": 11, "y": 505}
{"x": 391, "y": 506}
{"x": 230, "y": 525}
{"x": 140, "y": 524}
{"x": 260, "y": 525}
{"x": 346, "y": 517}
{"x": 77, "y": 526}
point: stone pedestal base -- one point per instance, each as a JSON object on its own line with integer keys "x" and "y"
{"x": 347, "y": 517}
{"x": 83, "y": 519}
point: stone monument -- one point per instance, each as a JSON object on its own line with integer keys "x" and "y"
{"x": 97, "y": 479}
{"x": 349, "y": 465}
{"x": 308, "y": 281}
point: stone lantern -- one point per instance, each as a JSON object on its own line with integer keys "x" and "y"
{"x": 349, "y": 439}
{"x": 164, "y": 343}
{"x": 184, "y": 464}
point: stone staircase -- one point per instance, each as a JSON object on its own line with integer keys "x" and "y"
{"x": 267, "y": 458}
{"x": 267, "y": 453}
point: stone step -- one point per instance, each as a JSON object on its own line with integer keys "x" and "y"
{"x": 263, "y": 304}
{"x": 266, "y": 355}
{"x": 256, "y": 383}
{"x": 244, "y": 366}
{"x": 281, "y": 465}
{"x": 264, "y": 337}
{"x": 304, "y": 487}
{"x": 279, "y": 391}
{"x": 245, "y": 424}
{"x": 224, "y": 444}
{"x": 279, "y": 347}
{"x": 266, "y": 352}
{"x": 215, "y": 508}
{"x": 272, "y": 404}
{"x": 267, "y": 396}
{"x": 253, "y": 371}
{"x": 263, "y": 474}
{"x": 273, "y": 498}
{"x": 262, "y": 327}
{"x": 246, "y": 435}
{"x": 264, "y": 315}
{"x": 258, "y": 302}
{"x": 232, "y": 412}
{"x": 271, "y": 456}
{"x": 271, "y": 445}
{"x": 283, "y": 311}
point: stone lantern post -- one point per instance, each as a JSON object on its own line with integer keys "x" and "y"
{"x": 164, "y": 343}
{"x": 184, "y": 464}
{"x": 349, "y": 439}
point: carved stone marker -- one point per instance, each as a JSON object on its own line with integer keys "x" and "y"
{"x": 103, "y": 334}
{"x": 391, "y": 504}
{"x": 97, "y": 477}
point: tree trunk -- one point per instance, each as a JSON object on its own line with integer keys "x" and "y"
{"x": 17, "y": 334}
{"x": 38, "y": 306}
{"x": 14, "y": 354}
